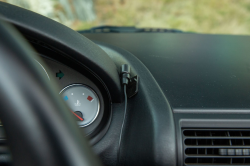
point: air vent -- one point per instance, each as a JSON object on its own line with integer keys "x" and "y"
{"x": 5, "y": 158}
{"x": 216, "y": 147}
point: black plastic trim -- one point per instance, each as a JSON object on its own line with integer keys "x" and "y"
{"x": 214, "y": 123}
{"x": 149, "y": 135}
{"x": 212, "y": 111}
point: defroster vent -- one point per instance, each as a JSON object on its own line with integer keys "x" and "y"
{"x": 216, "y": 147}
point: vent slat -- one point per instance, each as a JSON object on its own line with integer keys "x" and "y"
{"x": 4, "y": 150}
{"x": 216, "y": 147}
{"x": 210, "y": 134}
{"x": 243, "y": 143}
{"x": 211, "y": 164}
{"x": 217, "y": 142}
{"x": 214, "y": 156}
{"x": 3, "y": 140}
{"x": 189, "y": 137}
{"x": 235, "y": 147}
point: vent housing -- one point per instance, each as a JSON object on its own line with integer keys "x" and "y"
{"x": 216, "y": 147}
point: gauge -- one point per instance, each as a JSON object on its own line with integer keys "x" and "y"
{"x": 83, "y": 103}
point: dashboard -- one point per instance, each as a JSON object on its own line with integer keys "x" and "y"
{"x": 194, "y": 71}
{"x": 192, "y": 105}
{"x": 205, "y": 80}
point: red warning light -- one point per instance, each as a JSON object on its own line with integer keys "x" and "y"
{"x": 90, "y": 98}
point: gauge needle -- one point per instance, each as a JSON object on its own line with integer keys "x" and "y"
{"x": 81, "y": 119}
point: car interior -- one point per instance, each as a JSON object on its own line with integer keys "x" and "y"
{"x": 71, "y": 98}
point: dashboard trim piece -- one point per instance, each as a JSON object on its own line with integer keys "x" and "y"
{"x": 212, "y": 111}
{"x": 148, "y": 112}
{"x": 43, "y": 68}
{"x": 214, "y": 123}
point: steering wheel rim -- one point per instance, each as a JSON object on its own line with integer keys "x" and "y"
{"x": 39, "y": 128}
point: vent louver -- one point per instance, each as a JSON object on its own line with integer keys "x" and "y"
{"x": 216, "y": 147}
{"x": 5, "y": 159}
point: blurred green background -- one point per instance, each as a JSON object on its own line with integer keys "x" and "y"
{"x": 202, "y": 16}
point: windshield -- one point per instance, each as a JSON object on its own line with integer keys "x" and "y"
{"x": 201, "y": 16}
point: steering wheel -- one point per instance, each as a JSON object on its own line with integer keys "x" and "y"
{"x": 40, "y": 130}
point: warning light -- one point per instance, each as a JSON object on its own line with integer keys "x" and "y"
{"x": 66, "y": 98}
{"x": 59, "y": 74}
{"x": 90, "y": 98}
